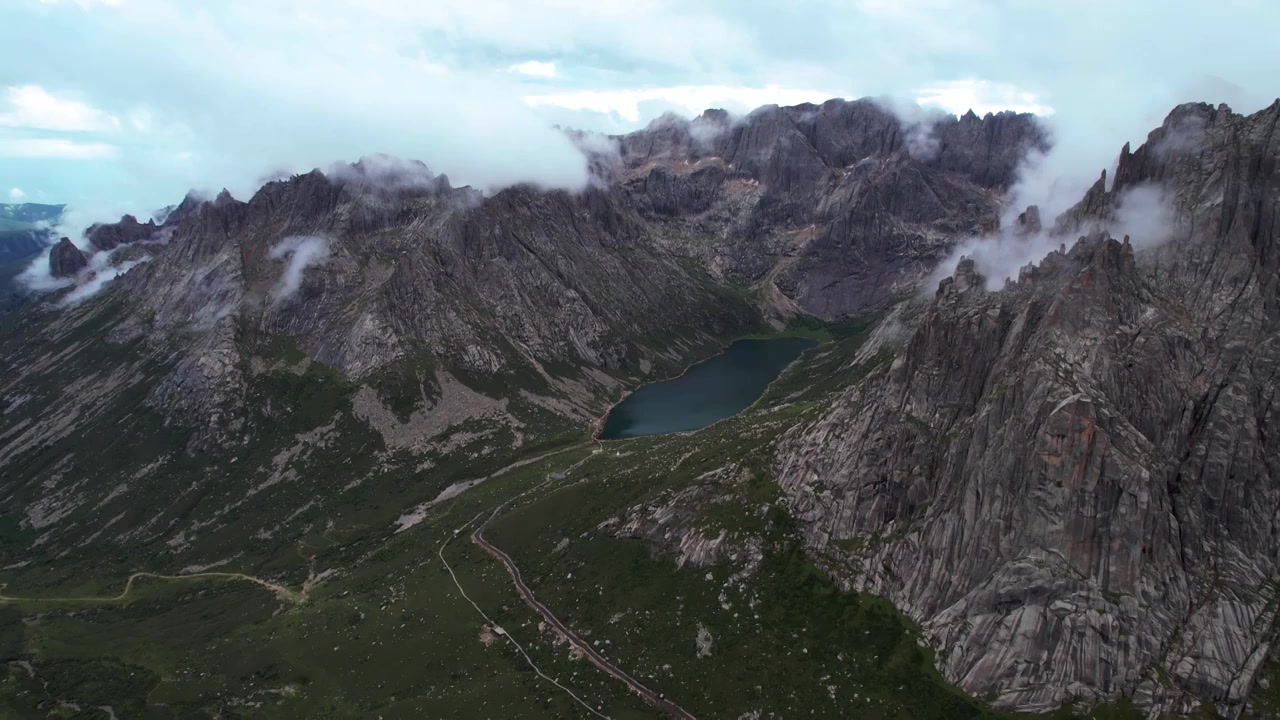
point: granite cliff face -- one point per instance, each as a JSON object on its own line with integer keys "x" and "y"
{"x": 837, "y": 209}
{"x": 1071, "y": 483}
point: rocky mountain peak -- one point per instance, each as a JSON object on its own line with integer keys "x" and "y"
{"x": 1029, "y": 221}
{"x": 966, "y": 278}
{"x": 128, "y": 230}
{"x": 717, "y": 116}
{"x": 224, "y": 199}
{"x": 189, "y": 206}
{"x": 65, "y": 259}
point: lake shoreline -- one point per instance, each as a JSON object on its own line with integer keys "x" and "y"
{"x": 597, "y": 425}
{"x": 737, "y": 377}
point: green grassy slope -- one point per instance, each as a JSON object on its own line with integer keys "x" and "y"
{"x": 384, "y": 632}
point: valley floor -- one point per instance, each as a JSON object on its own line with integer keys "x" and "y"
{"x": 629, "y": 579}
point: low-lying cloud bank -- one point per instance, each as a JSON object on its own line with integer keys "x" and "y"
{"x": 1085, "y": 140}
{"x": 98, "y": 275}
{"x": 38, "y": 278}
{"x": 919, "y": 124}
{"x": 89, "y": 282}
{"x": 1142, "y": 212}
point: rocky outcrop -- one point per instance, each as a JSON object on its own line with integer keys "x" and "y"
{"x": 189, "y": 206}
{"x": 128, "y": 230}
{"x": 1028, "y": 222}
{"x": 1071, "y": 483}
{"x": 65, "y": 259}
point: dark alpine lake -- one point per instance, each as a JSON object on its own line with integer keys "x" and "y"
{"x": 712, "y": 390}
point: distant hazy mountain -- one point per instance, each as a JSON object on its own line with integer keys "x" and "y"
{"x": 23, "y": 227}
{"x": 25, "y": 230}
{"x": 28, "y": 213}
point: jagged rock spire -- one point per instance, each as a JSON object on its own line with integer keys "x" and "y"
{"x": 65, "y": 259}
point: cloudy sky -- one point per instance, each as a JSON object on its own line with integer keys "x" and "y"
{"x": 124, "y": 104}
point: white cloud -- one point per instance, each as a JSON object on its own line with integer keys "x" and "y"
{"x": 55, "y": 148}
{"x": 303, "y": 251}
{"x": 16, "y": 195}
{"x": 535, "y": 68}
{"x": 36, "y": 277}
{"x": 217, "y": 97}
{"x": 435, "y": 81}
{"x": 31, "y": 106}
{"x": 982, "y": 97}
{"x": 87, "y": 4}
{"x": 141, "y": 120}
{"x": 98, "y": 275}
{"x": 688, "y": 99}
{"x": 91, "y": 279}
{"x": 1142, "y": 213}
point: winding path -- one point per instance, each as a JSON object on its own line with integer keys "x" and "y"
{"x": 505, "y": 633}
{"x": 577, "y": 643}
{"x": 281, "y": 591}
{"x": 572, "y": 638}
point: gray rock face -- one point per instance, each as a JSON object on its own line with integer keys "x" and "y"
{"x": 112, "y": 235}
{"x": 1071, "y": 483}
{"x": 824, "y": 204}
{"x": 1029, "y": 222}
{"x": 65, "y": 259}
{"x": 409, "y": 266}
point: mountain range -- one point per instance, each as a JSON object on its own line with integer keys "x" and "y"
{"x": 1063, "y": 483}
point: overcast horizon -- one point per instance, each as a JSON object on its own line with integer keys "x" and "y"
{"x": 144, "y": 99}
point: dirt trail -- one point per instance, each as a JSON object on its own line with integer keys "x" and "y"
{"x": 284, "y": 593}
{"x": 419, "y": 513}
{"x": 572, "y": 638}
{"x": 506, "y": 634}
{"x": 575, "y": 642}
